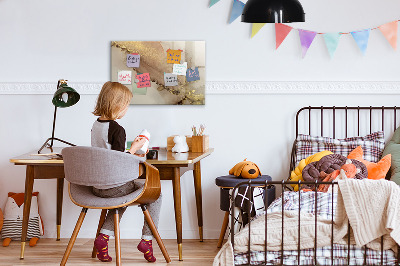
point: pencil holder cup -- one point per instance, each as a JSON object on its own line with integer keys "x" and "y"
{"x": 200, "y": 143}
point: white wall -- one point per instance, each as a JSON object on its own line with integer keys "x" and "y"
{"x": 43, "y": 41}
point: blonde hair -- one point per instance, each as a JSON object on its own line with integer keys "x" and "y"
{"x": 112, "y": 99}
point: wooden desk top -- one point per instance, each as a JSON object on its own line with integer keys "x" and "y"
{"x": 164, "y": 157}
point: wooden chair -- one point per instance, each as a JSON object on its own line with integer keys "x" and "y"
{"x": 85, "y": 167}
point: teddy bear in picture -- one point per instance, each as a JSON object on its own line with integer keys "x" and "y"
{"x": 180, "y": 144}
{"x": 13, "y": 215}
{"x": 245, "y": 169}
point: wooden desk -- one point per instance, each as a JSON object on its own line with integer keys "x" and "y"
{"x": 171, "y": 167}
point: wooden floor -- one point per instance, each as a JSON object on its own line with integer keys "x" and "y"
{"x": 50, "y": 252}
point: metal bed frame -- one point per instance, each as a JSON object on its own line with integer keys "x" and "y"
{"x": 283, "y": 184}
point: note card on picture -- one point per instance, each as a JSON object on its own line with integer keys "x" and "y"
{"x": 192, "y": 74}
{"x": 180, "y": 69}
{"x": 143, "y": 80}
{"x": 174, "y": 56}
{"x": 133, "y": 60}
{"x": 125, "y": 77}
{"x": 170, "y": 79}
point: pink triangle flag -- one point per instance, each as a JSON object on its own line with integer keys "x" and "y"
{"x": 389, "y": 30}
{"x": 281, "y": 31}
{"x": 306, "y": 39}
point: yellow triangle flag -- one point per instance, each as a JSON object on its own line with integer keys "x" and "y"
{"x": 255, "y": 28}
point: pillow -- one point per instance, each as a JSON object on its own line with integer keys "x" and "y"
{"x": 372, "y": 144}
{"x": 375, "y": 170}
{"x": 393, "y": 148}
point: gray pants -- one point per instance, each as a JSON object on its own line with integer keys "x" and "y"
{"x": 154, "y": 208}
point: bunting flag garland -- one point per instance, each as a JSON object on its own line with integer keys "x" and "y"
{"x": 256, "y": 27}
{"x": 389, "y": 30}
{"x": 306, "y": 39}
{"x": 361, "y": 37}
{"x": 213, "y": 2}
{"x": 237, "y": 9}
{"x": 281, "y": 31}
{"x": 332, "y": 41}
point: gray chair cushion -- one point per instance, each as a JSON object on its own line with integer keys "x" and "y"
{"x": 84, "y": 196}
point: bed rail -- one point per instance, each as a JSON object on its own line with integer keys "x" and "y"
{"x": 265, "y": 185}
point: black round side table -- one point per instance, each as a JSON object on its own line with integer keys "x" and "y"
{"x": 228, "y": 182}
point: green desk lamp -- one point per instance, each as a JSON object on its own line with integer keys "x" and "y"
{"x": 65, "y": 96}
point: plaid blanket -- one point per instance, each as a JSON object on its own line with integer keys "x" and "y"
{"x": 323, "y": 205}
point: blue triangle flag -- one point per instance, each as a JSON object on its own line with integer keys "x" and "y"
{"x": 237, "y": 9}
{"x": 361, "y": 37}
{"x": 213, "y": 2}
{"x": 332, "y": 41}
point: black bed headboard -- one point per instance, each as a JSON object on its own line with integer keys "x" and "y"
{"x": 344, "y": 121}
{"x": 346, "y": 112}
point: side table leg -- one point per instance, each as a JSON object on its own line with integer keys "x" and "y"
{"x": 27, "y": 206}
{"x": 176, "y": 184}
{"x": 199, "y": 204}
{"x": 60, "y": 191}
{"x": 223, "y": 229}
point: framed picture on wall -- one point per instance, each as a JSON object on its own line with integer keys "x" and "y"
{"x": 161, "y": 72}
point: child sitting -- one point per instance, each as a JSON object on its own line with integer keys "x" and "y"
{"x": 112, "y": 103}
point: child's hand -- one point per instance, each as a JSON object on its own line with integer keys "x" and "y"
{"x": 137, "y": 144}
{"x": 142, "y": 155}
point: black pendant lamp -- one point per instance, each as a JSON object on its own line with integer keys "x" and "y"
{"x": 273, "y": 11}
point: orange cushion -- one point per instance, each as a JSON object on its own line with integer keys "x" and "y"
{"x": 375, "y": 170}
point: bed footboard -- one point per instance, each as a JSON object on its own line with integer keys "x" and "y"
{"x": 383, "y": 258}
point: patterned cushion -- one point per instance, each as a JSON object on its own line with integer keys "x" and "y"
{"x": 372, "y": 144}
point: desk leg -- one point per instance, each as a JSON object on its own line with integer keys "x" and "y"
{"x": 176, "y": 182}
{"x": 60, "y": 190}
{"x": 199, "y": 204}
{"x": 27, "y": 206}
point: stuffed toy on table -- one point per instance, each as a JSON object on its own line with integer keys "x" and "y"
{"x": 13, "y": 215}
{"x": 245, "y": 169}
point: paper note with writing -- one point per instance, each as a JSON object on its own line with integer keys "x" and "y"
{"x": 192, "y": 74}
{"x": 180, "y": 69}
{"x": 125, "y": 77}
{"x": 139, "y": 91}
{"x": 133, "y": 60}
{"x": 174, "y": 56}
{"x": 143, "y": 80}
{"x": 170, "y": 79}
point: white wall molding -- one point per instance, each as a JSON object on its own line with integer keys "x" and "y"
{"x": 233, "y": 87}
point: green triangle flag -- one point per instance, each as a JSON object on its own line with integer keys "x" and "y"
{"x": 332, "y": 41}
{"x": 213, "y": 2}
{"x": 256, "y": 27}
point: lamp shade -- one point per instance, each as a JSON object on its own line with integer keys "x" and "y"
{"x": 273, "y": 11}
{"x": 65, "y": 96}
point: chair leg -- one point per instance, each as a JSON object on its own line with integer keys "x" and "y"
{"x": 223, "y": 229}
{"x": 117, "y": 239}
{"x": 154, "y": 230}
{"x": 101, "y": 222}
{"x": 73, "y": 237}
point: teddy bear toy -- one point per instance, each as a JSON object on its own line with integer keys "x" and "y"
{"x": 180, "y": 144}
{"x": 245, "y": 169}
{"x": 13, "y": 215}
